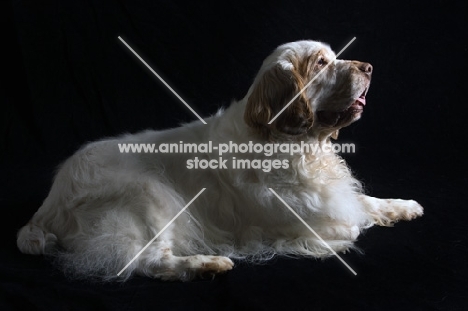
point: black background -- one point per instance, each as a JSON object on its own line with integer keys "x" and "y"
{"x": 69, "y": 80}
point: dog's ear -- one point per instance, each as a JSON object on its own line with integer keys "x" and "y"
{"x": 274, "y": 90}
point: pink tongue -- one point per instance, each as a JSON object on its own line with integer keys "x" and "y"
{"x": 361, "y": 100}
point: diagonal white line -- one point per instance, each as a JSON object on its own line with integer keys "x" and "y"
{"x": 162, "y": 80}
{"x": 310, "y": 82}
{"x": 313, "y": 231}
{"x": 160, "y": 232}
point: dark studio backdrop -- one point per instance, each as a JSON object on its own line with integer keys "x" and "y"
{"x": 69, "y": 80}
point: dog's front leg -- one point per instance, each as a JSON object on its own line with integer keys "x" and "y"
{"x": 385, "y": 212}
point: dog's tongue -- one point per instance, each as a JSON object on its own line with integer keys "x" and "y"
{"x": 362, "y": 100}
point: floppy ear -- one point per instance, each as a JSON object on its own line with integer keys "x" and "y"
{"x": 270, "y": 94}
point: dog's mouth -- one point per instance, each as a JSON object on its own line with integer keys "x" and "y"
{"x": 346, "y": 116}
{"x": 358, "y": 104}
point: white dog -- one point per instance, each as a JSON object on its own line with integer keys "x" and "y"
{"x": 105, "y": 206}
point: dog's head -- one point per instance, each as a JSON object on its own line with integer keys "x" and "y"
{"x": 334, "y": 98}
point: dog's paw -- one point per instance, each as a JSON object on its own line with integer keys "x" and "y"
{"x": 404, "y": 209}
{"x": 386, "y": 212}
{"x": 207, "y": 266}
{"x": 190, "y": 267}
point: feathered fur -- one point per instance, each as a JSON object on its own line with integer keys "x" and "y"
{"x": 105, "y": 206}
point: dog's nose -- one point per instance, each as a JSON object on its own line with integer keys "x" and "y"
{"x": 365, "y": 67}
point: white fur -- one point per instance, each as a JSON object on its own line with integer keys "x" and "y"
{"x": 105, "y": 206}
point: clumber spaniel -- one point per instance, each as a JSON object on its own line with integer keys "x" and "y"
{"x": 105, "y": 206}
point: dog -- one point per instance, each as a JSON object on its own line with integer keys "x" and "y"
{"x": 105, "y": 205}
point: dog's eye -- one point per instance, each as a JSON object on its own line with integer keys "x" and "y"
{"x": 321, "y": 61}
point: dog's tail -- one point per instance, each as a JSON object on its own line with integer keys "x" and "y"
{"x": 35, "y": 240}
